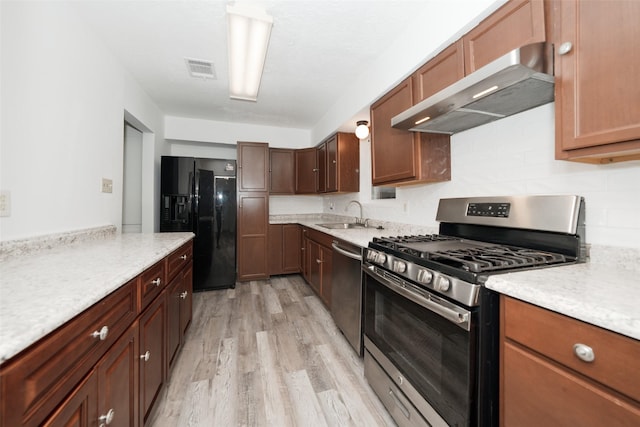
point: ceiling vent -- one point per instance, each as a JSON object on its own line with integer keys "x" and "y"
{"x": 201, "y": 68}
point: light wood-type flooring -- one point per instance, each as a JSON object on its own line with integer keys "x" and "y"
{"x": 267, "y": 353}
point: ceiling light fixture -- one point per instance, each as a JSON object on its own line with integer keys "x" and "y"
{"x": 248, "y": 32}
{"x": 362, "y": 129}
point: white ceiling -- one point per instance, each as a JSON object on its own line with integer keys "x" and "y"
{"x": 317, "y": 49}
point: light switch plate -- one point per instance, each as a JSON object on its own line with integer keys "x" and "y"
{"x": 107, "y": 185}
{"x": 5, "y": 203}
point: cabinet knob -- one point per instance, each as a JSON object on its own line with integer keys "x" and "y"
{"x": 565, "y": 48}
{"x": 105, "y": 420}
{"x": 145, "y": 357}
{"x": 315, "y": 169}
{"x": 584, "y": 352}
{"x": 184, "y": 294}
{"x": 334, "y": 162}
{"x": 183, "y": 257}
{"x": 157, "y": 281}
{"x": 102, "y": 333}
{"x": 318, "y": 261}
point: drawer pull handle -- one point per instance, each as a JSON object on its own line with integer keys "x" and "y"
{"x": 183, "y": 257}
{"x": 157, "y": 281}
{"x": 102, "y": 333}
{"x": 584, "y": 352}
{"x": 399, "y": 404}
{"x": 145, "y": 357}
{"x": 184, "y": 294}
{"x": 105, "y": 420}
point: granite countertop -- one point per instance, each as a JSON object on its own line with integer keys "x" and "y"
{"x": 604, "y": 292}
{"x": 42, "y": 290}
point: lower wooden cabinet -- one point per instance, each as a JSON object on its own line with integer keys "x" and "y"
{"x": 285, "y": 242}
{"x": 179, "y": 303}
{"x": 319, "y": 263}
{"x": 109, "y": 361}
{"x": 544, "y": 381}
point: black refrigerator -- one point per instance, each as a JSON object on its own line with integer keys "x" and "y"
{"x": 199, "y": 195}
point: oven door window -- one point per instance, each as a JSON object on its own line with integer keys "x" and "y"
{"x": 433, "y": 353}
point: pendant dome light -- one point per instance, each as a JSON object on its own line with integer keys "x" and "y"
{"x": 362, "y": 129}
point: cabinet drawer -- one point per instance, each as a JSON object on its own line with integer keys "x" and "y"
{"x": 537, "y": 392}
{"x": 178, "y": 259}
{"x": 554, "y": 335}
{"x": 36, "y": 382}
{"x": 152, "y": 281}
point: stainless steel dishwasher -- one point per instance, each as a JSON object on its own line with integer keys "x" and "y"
{"x": 346, "y": 291}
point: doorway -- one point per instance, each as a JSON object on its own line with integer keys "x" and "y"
{"x": 132, "y": 180}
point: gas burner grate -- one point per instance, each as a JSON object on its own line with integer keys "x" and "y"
{"x": 494, "y": 258}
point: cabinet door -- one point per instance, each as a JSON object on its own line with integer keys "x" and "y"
{"x": 306, "y": 171}
{"x": 393, "y": 151}
{"x": 291, "y": 241}
{"x": 118, "y": 380}
{"x": 80, "y": 409}
{"x": 326, "y": 255}
{"x": 152, "y": 355}
{"x": 517, "y": 23}
{"x": 442, "y": 71}
{"x": 321, "y": 152}
{"x": 253, "y": 218}
{"x": 275, "y": 249}
{"x": 173, "y": 319}
{"x": 282, "y": 171}
{"x": 186, "y": 301}
{"x": 597, "y": 90}
{"x": 347, "y": 174}
{"x": 315, "y": 266}
{"x": 331, "y": 150}
{"x": 304, "y": 254}
{"x": 253, "y": 166}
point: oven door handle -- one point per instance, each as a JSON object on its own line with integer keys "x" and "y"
{"x": 453, "y": 314}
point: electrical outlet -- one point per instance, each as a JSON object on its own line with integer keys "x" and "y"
{"x": 5, "y": 203}
{"x": 107, "y": 185}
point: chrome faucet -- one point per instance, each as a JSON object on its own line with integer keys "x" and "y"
{"x": 359, "y": 220}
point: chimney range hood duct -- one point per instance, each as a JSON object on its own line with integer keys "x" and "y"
{"x": 515, "y": 82}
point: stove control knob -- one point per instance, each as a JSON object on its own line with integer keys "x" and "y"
{"x": 442, "y": 284}
{"x": 425, "y": 276}
{"x": 399, "y": 266}
{"x": 381, "y": 258}
{"x": 371, "y": 255}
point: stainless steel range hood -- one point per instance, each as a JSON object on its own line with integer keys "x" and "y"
{"x": 515, "y": 82}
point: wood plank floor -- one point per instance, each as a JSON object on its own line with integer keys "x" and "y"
{"x": 267, "y": 353}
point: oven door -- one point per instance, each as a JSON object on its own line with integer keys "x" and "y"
{"x": 427, "y": 339}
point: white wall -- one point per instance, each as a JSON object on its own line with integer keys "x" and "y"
{"x": 63, "y": 102}
{"x": 515, "y": 156}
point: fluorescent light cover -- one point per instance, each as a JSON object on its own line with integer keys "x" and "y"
{"x": 484, "y": 92}
{"x": 248, "y": 32}
{"x": 422, "y": 120}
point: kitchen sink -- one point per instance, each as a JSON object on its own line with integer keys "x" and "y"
{"x": 341, "y": 225}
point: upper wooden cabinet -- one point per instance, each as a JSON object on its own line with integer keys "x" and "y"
{"x": 253, "y": 166}
{"x": 442, "y": 71}
{"x": 321, "y": 162}
{"x": 282, "y": 171}
{"x": 306, "y": 171}
{"x": 342, "y": 163}
{"x": 597, "y": 63}
{"x": 517, "y": 23}
{"x": 402, "y": 157}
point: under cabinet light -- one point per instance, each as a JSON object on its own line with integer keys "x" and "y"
{"x": 484, "y": 92}
{"x": 248, "y": 32}
{"x": 422, "y": 120}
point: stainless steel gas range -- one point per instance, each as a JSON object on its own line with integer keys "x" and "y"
{"x": 431, "y": 327}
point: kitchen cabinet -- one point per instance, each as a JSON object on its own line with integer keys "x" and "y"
{"x": 443, "y": 70}
{"x": 342, "y": 163}
{"x": 284, "y": 248}
{"x": 306, "y": 171}
{"x": 403, "y": 157}
{"x": 282, "y": 171}
{"x": 179, "y": 300}
{"x": 253, "y": 211}
{"x": 548, "y": 376}
{"x": 517, "y": 23}
{"x": 80, "y": 408}
{"x": 152, "y": 356}
{"x": 253, "y": 166}
{"x": 319, "y": 263}
{"x": 597, "y": 63}
{"x": 321, "y": 164}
